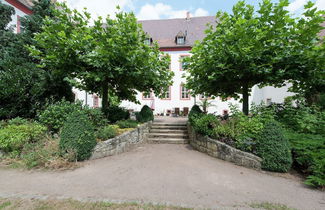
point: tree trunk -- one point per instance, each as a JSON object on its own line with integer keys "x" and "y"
{"x": 245, "y": 99}
{"x": 105, "y": 96}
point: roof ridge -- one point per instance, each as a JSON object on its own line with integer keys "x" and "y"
{"x": 176, "y": 18}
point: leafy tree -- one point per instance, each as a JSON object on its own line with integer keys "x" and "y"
{"x": 263, "y": 47}
{"x": 25, "y": 88}
{"x": 108, "y": 57}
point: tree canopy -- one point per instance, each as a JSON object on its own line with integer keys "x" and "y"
{"x": 256, "y": 47}
{"x": 106, "y": 55}
{"x": 25, "y": 88}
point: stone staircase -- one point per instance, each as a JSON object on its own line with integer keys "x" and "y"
{"x": 168, "y": 133}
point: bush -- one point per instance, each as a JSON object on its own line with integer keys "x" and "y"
{"x": 205, "y": 123}
{"x": 145, "y": 114}
{"x": 56, "y": 114}
{"x": 127, "y": 124}
{"x": 308, "y": 152}
{"x": 195, "y": 111}
{"x": 78, "y": 136}
{"x": 96, "y": 116}
{"x": 106, "y": 132}
{"x": 115, "y": 113}
{"x": 273, "y": 148}
{"x": 14, "y": 137}
{"x": 17, "y": 121}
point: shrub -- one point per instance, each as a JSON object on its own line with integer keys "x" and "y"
{"x": 14, "y": 137}
{"x": 56, "y": 114}
{"x": 17, "y": 121}
{"x": 106, "y": 132}
{"x": 127, "y": 124}
{"x": 195, "y": 111}
{"x": 308, "y": 152}
{"x": 145, "y": 114}
{"x": 78, "y": 136}
{"x": 115, "y": 113}
{"x": 205, "y": 123}
{"x": 96, "y": 116}
{"x": 274, "y": 148}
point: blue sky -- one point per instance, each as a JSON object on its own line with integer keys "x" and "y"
{"x": 161, "y": 9}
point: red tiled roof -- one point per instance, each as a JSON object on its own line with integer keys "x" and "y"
{"x": 164, "y": 31}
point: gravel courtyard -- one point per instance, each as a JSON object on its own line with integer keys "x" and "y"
{"x": 166, "y": 174}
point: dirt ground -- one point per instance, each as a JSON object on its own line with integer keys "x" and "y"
{"x": 166, "y": 174}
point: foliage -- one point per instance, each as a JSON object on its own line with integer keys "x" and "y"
{"x": 115, "y": 113}
{"x": 25, "y": 87}
{"x": 194, "y": 112}
{"x": 14, "y": 137}
{"x": 301, "y": 118}
{"x": 127, "y": 124}
{"x": 145, "y": 114}
{"x": 274, "y": 149}
{"x": 106, "y": 132}
{"x": 112, "y": 59}
{"x": 77, "y": 136}
{"x": 205, "y": 123}
{"x": 96, "y": 116}
{"x": 17, "y": 121}
{"x": 308, "y": 151}
{"x": 263, "y": 47}
{"x": 55, "y": 115}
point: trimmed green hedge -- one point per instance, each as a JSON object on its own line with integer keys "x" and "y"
{"x": 77, "y": 136}
{"x": 145, "y": 114}
{"x": 274, "y": 148}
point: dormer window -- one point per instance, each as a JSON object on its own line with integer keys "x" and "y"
{"x": 180, "y": 38}
{"x": 148, "y": 41}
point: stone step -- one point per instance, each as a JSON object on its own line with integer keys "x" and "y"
{"x": 169, "y": 124}
{"x": 167, "y": 141}
{"x": 168, "y": 135}
{"x": 167, "y": 131}
{"x": 169, "y": 127}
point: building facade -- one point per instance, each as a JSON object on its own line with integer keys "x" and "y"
{"x": 176, "y": 37}
{"x": 22, "y": 8}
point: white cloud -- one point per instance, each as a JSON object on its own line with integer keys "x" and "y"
{"x": 161, "y": 10}
{"x": 296, "y": 5}
{"x": 320, "y": 4}
{"x": 100, "y": 7}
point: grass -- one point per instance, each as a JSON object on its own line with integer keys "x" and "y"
{"x": 270, "y": 206}
{"x": 34, "y": 204}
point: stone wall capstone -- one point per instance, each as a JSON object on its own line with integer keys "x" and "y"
{"x": 222, "y": 151}
{"x": 121, "y": 143}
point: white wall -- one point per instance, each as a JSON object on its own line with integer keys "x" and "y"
{"x": 14, "y": 17}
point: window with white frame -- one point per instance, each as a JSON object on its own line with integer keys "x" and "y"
{"x": 167, "y": 94}
{"x": 184, "y": 92}
{"x": 182, "y": 62}
{"x": 95, "y": 101}
{"x": 268, "y": 101}
{"x": 180, "y": 40}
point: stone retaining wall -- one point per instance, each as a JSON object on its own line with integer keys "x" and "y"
{"x": 121, "y": 143}
{"x": 222, "y": 151}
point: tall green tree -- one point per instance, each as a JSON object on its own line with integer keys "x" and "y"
{"x": 108, "y": 56}
{"x": 25, "y": 88}
{"x": 255, "y": 47}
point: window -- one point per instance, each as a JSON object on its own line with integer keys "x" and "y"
{"x": 180, "y": 40}
{"x": 182, "y": 62}
{"x": 18, "y": 24}
{"x": 225, "y": 112}
{"x": 167, "y": 95}
{"x": 148, "y": 41}
{"x": 184, "y": 93}
{"x": 146, "y": 96}
{"x": 95, "y": 101}
{"x": 268, "y": 101}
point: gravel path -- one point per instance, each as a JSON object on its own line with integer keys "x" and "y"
{"x": 167, "y": 174}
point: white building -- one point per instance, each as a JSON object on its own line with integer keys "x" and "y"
{"x": 176, "y": 37}
{"x": 22, "y": 8}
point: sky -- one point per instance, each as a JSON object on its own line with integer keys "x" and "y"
{"x": 163, "y": 9}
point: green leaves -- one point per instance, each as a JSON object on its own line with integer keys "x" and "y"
{"x": 266, "y": 47}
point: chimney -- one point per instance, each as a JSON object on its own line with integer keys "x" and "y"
{"x": 188, "y": 15}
